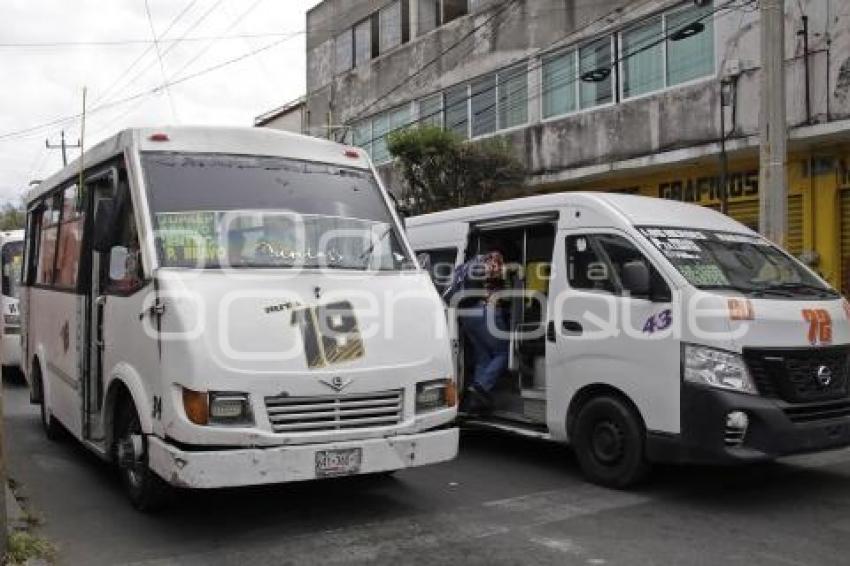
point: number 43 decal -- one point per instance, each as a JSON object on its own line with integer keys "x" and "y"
{"x": 658, "y": 322}
{"x": 820, "y": 326}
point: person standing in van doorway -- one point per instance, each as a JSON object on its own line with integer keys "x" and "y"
{"x": 484, "y": 324}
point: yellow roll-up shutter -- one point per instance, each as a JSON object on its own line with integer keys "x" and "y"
{"x": 845, "y": 241}
{"x": 747, "y": 212}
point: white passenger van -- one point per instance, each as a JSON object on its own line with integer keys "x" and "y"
{"x": 216, "y": 307}
{"x": 11, "y": 254}
{"x": 644, "y": 330}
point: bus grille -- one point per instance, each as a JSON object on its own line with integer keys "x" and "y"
{"x": 335, "y": 412}
{"x": 791, "y": 374}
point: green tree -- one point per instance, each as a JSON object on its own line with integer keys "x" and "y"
{"x": 441, "y": 171}
{"x": 11, "y": 217}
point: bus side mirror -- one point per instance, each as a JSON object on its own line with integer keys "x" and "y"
{"x": 118, "y": 257}
{"x": 636, "y": 279}
{"x": 103, "y": 232}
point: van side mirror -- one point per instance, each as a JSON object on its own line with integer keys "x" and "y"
{"x": 104, "y": 235}
{"x": 636, "y": 278}
{"x": 118, "y": 259}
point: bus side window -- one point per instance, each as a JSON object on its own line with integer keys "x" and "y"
{"x": 49, "y": 224}
{"x": 33, "y": 235}
{"x": 128, "y": 238}
{"x": 70, "y": 239}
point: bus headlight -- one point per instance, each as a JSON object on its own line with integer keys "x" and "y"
{"x": 216, "y": 408}
{"x": 437, "y": 394}
{"x": 717, "y": 368}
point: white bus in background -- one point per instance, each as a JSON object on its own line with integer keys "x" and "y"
{"x": 644, "y": 330}
{"x": 11, "y": 255}
{"x": 221, "y": 307}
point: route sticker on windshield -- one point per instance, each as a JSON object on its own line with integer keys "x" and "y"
{"x": 704, "y": 274}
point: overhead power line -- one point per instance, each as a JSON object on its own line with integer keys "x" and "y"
{"x": 23, "y": 132}
{"x": 159, "y": 56}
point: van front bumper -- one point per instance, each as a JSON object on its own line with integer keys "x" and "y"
{"x": 206, "y": 469}
{"x": 776, "y": 428}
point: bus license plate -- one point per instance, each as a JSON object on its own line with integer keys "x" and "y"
{"x": 331, "y": 463}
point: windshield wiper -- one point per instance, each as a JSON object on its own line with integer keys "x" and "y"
{"x": 792, "y": 286}
{"x": 367, "y": 254}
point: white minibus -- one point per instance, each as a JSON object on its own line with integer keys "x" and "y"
{"x": 11, "y": 253}
{"x": 644, "y": 330}
{"x": 214, "y": 307}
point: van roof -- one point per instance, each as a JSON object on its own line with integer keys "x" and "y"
{"x": 619, "y": 208}
{"x": 209, "y": 139}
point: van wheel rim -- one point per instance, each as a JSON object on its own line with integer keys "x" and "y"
{"x": 607, "y": 443}
{"x": 133, "y": 471}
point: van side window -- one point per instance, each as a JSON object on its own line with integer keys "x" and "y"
{"x": 129, "y": 239}
{"x": 595, "y": 262}
{"x": 440, "y": 265}
{"x": 49, "y": 223}
{"x": 586, "y": 268}
{"x": 70, "y": 238}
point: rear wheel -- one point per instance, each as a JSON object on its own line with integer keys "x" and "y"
{"x": 146, "y": 490}
{"x": 609, "y": 442}
{"x": 52, "y": 429}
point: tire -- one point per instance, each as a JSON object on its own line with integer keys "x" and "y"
{"x": 146, "y": 490}
{"x": 52, "y": 429}
{"x": 609, "y": 442}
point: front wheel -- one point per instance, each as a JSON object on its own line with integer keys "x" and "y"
{"x": 146, "y": 490}
{"x": 52, "y": 429}
{"x": 609, "y": 443}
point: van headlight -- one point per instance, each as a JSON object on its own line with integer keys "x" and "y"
{"x": 717, "y": 368}
{"x": 437, "y": 394}
{"x": 217, "y": 408}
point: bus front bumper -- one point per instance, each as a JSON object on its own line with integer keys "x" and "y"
{"x": 207, "y": 469}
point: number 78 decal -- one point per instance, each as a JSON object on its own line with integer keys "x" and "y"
{"x": 820, "y": 326}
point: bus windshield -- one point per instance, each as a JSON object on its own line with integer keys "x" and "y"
{"x": 11, "y": 258}
{"x": 740, "y": 262}
{"x": 231, "y": 211}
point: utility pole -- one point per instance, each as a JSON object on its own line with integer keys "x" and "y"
{"x": 61, "y": 145}
{"x": 773, "y": 217}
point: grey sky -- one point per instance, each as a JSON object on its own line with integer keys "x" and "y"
{"x": 40, "y": 84}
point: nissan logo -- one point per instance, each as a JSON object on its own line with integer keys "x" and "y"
{"x": 824, "y": 376}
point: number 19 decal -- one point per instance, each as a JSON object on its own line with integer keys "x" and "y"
{"x": 820, "y": 326}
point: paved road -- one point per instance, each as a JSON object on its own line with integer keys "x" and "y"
{"x": 504, "y": 501}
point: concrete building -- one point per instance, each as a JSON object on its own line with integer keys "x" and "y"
{"x": 291, "y": 117}
{"x": 616, "y": 95}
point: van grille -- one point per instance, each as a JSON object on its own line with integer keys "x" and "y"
{"x": 791, "y": 374}
{"x": 335, "y": 412}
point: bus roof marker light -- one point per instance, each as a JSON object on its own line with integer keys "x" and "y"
{"x": 159, "y": 137}
{"x": 352, "y": 153}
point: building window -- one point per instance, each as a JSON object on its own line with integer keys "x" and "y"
{"x": 344, "y": 47}
{"x": 390, "y": 24}
{"x": 362, "y": 135}
{"x": 513, "y": 97}
{"x": 431, "y": 111}
{"x": 457, "y": 110}
{"x": 454, "y": 9}
{"x": 643, "y": 59}
{"x": 380, "y": 129}
{"x": 400, "y": 118}
{"x": 362, "y": 42}
{"x": 484, "y": 106}
{"x": 559, "y": 85}
{"x": 429, "y": 16}
{"x": 595, "y": 62}
{"x": 693, "y": 57}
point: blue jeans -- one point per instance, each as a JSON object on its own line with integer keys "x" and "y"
{"x": 489, "y": 352}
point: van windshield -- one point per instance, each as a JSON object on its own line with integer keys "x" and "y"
{"x": 219, "y": 211}
{"x": 740, "y": 262}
